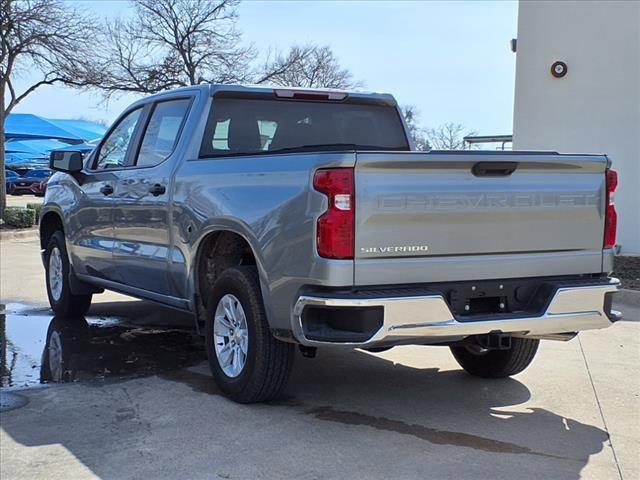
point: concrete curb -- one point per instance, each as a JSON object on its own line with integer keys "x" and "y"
{"x": 631, "y": 297}
{"x": 26, "y": 234}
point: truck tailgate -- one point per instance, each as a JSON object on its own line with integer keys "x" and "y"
{"x": 447, "y": 216}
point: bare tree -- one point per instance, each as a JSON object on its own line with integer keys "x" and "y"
{"x": 47, "y": 39}
{"x": 164, "y": 44}
{"x": 309, "y": 66}
{"x": 417, "y": 133}
{"x": 448, "y": 136}
{"x": 172, "y": 43}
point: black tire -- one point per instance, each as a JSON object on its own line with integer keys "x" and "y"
{"x": 268, "y": 361}
{"x": 66, "y": 304}
{"x": 498, "y": 363}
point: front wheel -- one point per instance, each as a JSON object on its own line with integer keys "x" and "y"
{"x": 497, "y": 363}
{"x": 57, "y": 267}
{"x": 248, "y": 364}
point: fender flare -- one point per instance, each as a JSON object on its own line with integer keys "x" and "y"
{"x": 243, "y": 230}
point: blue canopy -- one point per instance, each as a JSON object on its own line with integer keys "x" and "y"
{"x": 30, "y": 138}
{"x": 17, "y": 156}
{"x": 26, "y": 125}
{"x": 81, "y": 147}
{"x": 34, "y": 146}
{"x": 84, "y": 129}
{"x": 22, "y": 159}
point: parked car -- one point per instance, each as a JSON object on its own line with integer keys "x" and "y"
{"x": 34, "y": 181}
{"x": 283, "y": 218}
{"x": 43, "y": 187}
{"x": 9, "y": 177}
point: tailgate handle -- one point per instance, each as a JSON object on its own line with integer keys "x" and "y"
{"x": 494, "y": 169}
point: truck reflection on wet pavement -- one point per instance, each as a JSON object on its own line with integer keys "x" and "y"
{"x": 37, "y": 348}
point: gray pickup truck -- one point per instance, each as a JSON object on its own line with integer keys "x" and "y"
{"x": 284, "y": 217}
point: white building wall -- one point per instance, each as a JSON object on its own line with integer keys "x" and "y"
{"x": 595, "y": 108}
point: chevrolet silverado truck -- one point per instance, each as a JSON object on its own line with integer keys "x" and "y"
{"x": 287, "y": 219}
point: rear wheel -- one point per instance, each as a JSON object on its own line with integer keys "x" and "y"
{"x": 248, "y": 364}
{"x": 497, "y": 363}
{"x": 57, "y": 267}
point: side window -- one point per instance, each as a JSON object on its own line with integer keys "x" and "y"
{"x": 266, "y": 130}
{"x": 162, "y": 131}
{"x": 113, "y": 151}
{"x": 221, "y": 135}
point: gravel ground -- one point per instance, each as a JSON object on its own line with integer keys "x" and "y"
{"x": 627, "y": 269}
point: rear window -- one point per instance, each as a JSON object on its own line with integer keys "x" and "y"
{"x": 239, "y": 126}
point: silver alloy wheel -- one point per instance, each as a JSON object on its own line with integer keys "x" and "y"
{"x": 230, "y": 335}
{"x": 55, "y": 357}
{"x": 56, "y": 276}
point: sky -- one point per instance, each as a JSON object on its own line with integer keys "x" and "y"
{"x": 451, "y": 60}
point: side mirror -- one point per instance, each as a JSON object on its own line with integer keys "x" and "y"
{"x": 68, "y": 161}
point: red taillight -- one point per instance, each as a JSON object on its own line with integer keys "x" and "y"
{"x": 335, "y": 231}
{"x": 610, "y": 215}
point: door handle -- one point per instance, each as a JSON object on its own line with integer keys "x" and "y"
{"x": 157, "y": 189}
{"x": 106, "y": 189}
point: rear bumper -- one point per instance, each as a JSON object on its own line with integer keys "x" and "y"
{"x": 427, "y": 318}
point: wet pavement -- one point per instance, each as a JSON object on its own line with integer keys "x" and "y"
{"x": 38, "y": 348}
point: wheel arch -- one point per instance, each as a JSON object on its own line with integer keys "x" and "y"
{"x": 234, "y": 243}
{"x": 50, "y": 222}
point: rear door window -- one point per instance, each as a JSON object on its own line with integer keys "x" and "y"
{"x": 258, "y": 125}
{"x": 163, "y": 129}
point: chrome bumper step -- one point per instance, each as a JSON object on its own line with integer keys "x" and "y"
{"x": 426, "y": 319}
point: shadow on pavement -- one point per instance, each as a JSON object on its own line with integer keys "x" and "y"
{"x": 429, "y": 422}
{"x": 413, "y": 400}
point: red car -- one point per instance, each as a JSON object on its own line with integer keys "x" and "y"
{"x": 34, "y": 182}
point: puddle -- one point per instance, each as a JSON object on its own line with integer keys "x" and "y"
{"x": 11, "y": 401}
{"x": 36, "y": 348}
